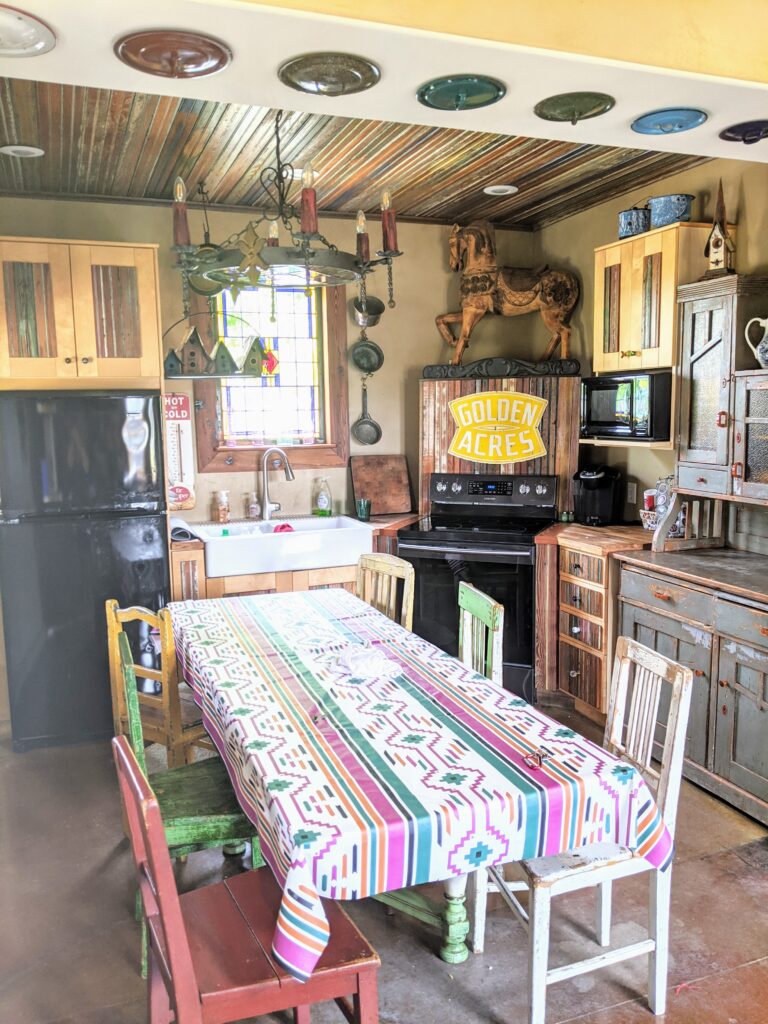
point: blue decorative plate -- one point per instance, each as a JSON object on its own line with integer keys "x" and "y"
{"x": 747, "y": 131}
{"x": 461, "y": 92}
{"x": 669, "y": 121}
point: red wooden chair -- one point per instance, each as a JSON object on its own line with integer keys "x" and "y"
{"x": 209, "y": 960}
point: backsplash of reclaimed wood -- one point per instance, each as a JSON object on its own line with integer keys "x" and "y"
{"x": 559, "y": 429}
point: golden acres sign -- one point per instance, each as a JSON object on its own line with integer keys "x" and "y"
{"x": 497, "y": 427}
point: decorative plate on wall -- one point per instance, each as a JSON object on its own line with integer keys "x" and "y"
{"x": 748, "y": 132}
{"x": 172, "y": 53}
{"x": 461, "y": 92}
{"x": 329, "y": 74}
{"x": 574, "y": 106}
{"x": 669, "y": 121}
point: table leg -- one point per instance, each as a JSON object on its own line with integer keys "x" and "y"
{"x": 455, "y": 923}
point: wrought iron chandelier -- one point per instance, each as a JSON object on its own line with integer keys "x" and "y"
{"x": 254, "y": 257}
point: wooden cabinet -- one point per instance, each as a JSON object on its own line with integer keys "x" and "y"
{"x": 635, "y": 320}
{"x": 576, "y": 610}
{"x": 749, "y": 471}
{"x": 724, "y": 640}
{"x": 713, "y": 315}
{"x": 78, "y": 314}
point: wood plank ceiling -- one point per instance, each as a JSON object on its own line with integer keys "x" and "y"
{"x": 106, "y": 144}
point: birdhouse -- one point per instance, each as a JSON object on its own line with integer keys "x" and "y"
{"x": 719, "y": 248}
{"x": 172, "y": 364}
{"x": 195, "y": 361}
{"x": 253, "y": 364}
{"x": 224, "y": 364}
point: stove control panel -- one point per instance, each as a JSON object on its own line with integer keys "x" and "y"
{"x": 532, "y": 491}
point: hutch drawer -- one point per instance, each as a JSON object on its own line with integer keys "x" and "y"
{"x": 704, "y": 478}
{"x": 582, "y": 630}
{"x": 581, "y": 566}
{"x": 581, "y": 675}
{"x": 668, "y": 596}
{"x": 742, "y": 622}
{"x": 589, "y": 600}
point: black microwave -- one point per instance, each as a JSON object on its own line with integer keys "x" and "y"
{"x": 627, "y": 406}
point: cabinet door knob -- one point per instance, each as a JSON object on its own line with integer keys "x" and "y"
{"x": 723, "y": 683}
{"x": 737, "y": 470}
{"x": 67, "y": 359}
{"x": 722, "y": 419}
{"x": 629, "y": 353}
{"x": 661, "y": 595}
{"x": 698, "y": 672}
{"x": 85, "y": 359}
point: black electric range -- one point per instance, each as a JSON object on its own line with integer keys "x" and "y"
{"x": 481, "y": 530}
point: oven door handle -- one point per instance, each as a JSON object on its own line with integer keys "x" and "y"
{"x": 510, "y": 554}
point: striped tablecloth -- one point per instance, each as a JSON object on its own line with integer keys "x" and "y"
{"x": 371, "y": 761}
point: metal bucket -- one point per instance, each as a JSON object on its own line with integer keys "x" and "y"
{"x": 670, "y": 209}
{"x": 371, "y": 315}
{"x": 634, "y": 221}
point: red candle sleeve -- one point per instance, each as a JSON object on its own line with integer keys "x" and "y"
{"x": 363, "y": 247}
{"x": 389, "y": 230}
{"x": 180, "y": 224}
{"x": 308, "y": 211}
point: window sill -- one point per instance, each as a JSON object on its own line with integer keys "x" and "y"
{"x": 248, "y": 460}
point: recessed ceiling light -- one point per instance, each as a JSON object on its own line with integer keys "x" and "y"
{"x": 22, "y": 152}
{"x": 500, "y": 190}
{"x": 461, "y": 92}
{"x": 173, "y": 53}
{"x": 329, "y": 74}
{"x": 22, "y": 34}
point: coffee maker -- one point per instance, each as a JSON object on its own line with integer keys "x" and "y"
{"x": 597, "y": 496}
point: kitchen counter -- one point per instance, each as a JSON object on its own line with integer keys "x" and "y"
{"x": 733, "y": 572}
{"x": 598, "y": 540}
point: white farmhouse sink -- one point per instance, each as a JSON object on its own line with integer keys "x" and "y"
{"x": 313, "y": 543}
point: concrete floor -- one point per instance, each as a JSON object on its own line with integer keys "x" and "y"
{"x": 69, "y": 944}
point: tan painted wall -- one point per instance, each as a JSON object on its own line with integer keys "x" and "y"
{"x": 424, "y": 287}
{"x": 571, "y": 243}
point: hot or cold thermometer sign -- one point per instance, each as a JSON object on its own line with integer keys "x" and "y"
{"x": 179, "y": 455}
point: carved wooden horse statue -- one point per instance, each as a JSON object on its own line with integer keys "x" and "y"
{"x": 508, "y": 291}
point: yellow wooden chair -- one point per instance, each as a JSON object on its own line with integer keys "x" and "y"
{"x": 169, "y": 717}
{"x": 387, "y": 583}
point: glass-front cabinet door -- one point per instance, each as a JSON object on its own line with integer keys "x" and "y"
{"x": 37, "y": 335}
{"x": 750, "y": 438}
{"x": 116, "y": 315}
{"x": 613, "y": 267}
{"x": 706, "y": 369}
{"x": 653, "y": 290}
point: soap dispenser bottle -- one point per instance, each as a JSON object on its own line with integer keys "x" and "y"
{"x": 321, "y": 498}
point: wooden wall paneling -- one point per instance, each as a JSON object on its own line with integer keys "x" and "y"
{"x": 545, "y": 656}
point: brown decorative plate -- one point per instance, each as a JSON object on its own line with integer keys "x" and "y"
{"x": 171, "y": 53}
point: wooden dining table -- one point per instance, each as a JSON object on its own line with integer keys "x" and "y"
{"x": 371, "y": 762}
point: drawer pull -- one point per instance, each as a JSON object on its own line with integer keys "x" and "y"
{"x": 722, "y": 419}
{"x": 573, "y": 673}
{"x": 701, "y": 479}
{"x": 577, "y": 569}
{"x": 723, "y": 683}
{"x": 763, "y": 631}
{"x": 575, "y": 630}
{"x": 661, "y": 595}
{"x": 576, "y": 601}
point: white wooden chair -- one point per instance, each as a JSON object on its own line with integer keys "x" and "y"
{"x": 638, "y": 676}
{"x": 481, "y": 628}
{"x": 387, "y": 583}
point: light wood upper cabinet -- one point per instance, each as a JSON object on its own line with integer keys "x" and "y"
{"x": 37, "y": 334}
{"x": 79, "y": 315}
{"x": 636, "y": 281}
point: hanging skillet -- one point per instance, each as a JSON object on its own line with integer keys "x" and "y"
{"x": 366, "y": 430}
{"x": 366, "y": 354}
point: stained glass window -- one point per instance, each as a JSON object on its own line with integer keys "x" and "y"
{"x": 286, "y": 405}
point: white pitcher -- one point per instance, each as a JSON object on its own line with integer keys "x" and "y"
{"x": 761, "y": 349}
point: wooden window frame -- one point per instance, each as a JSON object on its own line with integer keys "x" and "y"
{"x": 213, "y": 456}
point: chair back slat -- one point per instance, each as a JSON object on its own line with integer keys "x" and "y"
{"x": 639, "y": 674}
{"x": 156, "y": 881}
{"x": 131, "y": 700}
{"x": 481, "y": 629}
{"x": 386, "y": 583}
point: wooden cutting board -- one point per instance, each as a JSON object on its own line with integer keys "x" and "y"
{"x": 383, "y": 479}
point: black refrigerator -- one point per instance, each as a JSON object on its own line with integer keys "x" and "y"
{"x": 82, "y": 519}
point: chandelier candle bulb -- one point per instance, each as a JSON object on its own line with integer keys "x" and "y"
{"x": 274, "y": 234}
{"x": 180, "y": 223}
{"x": 308, "y": 201}
{"x": 363, "y": 242}
{"x": 388, "y": 223}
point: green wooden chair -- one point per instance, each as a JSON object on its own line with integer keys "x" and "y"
{"x": 481, "y": 628}
{"x": 197, "y": 803}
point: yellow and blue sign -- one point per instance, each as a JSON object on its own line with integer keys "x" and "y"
{"x": 497, "y": 427}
